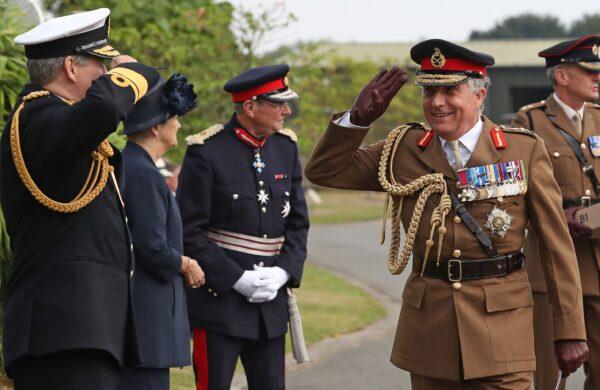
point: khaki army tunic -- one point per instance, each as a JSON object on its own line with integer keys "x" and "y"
{"x": 486, "y": 325}
{"x": 545, "y": 118}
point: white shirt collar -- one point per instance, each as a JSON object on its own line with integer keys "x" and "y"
{"x": 469, "y": 139}
{"x": 568, "y": 110}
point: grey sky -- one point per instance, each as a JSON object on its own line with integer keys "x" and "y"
{"x": 406, "y": 21}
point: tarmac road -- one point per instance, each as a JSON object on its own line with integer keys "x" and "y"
{"x": 360, "y": 361}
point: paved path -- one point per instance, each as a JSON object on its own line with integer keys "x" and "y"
{"x": 359, "y": 361}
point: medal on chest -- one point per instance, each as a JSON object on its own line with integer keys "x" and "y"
{"x": 498, "y": 221}
{"x": 594, "y": 143}
{"x": 258, "y": 162}
{"x": 492, "y": 181}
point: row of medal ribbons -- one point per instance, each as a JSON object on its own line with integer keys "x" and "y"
{"x": 492, "y": 181}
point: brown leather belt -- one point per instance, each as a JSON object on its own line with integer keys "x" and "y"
{"x": 584, "y": 201}
{"x": 456, "y": 270}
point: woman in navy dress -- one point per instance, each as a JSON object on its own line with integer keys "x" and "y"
{"x": 161, "y": 268}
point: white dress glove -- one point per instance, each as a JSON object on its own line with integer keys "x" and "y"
{"x": 275, "y": 278}
{"x": 250, "y": 282}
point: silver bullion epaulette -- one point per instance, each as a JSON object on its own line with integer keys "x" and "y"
{"x": 289, "y": 133}
{"x": 533, "y": 105}
{"x": 199, "y": 138}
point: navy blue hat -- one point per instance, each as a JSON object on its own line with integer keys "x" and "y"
{"x": 267, "y": 82}
{"x": 446, "y": 63}
{"x": 584, "y": 51}
{"x": 164, "y": 100}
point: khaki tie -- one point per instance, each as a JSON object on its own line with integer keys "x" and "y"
{"x": 458, "y": 162}
{"x": 577, "y": 122}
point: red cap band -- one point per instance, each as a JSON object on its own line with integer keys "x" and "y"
{"x": 239, "y": 97}
{"x": 453, "y": 64}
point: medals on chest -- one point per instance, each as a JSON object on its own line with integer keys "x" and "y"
{"x": 594, "y": 143}
{"x": 498, "y": 221}
{"x": 492, "y": 181}
{"x": 258, "y": 163}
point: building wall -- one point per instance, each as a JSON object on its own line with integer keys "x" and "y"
{"x": 514, "y": 87}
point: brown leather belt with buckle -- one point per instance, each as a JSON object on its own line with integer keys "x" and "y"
{"x": 457, "y": 270}
{"x": 584, "y": 201}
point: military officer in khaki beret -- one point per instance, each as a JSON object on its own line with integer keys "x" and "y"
{"x": 463, "y": 190}
{"x": 569, "y": 124}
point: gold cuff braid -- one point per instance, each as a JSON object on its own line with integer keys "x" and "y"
{"x": 428, "y": 185}
{"x": 95, "y": 182}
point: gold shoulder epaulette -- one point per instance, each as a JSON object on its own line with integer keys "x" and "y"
{"x": 289, "y": 133}
{"x": 592, "y": 105}
{"x": 199, "y": 138}
{"x": 539, "y": 104}
{"x": 519, "y": 130}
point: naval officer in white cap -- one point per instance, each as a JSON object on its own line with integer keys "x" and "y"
{"x": 68, "y": 320}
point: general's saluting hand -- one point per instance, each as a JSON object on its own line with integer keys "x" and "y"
{"x": 375, "y": 97}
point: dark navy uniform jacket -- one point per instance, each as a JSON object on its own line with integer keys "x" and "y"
{"x": 70, "y": 280}
{"x": 158, "y": 294}
{"x": 218, "y": 188}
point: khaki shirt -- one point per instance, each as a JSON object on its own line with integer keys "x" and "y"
{"x": 487, "y": 324}
{"x": 545, "y": 118}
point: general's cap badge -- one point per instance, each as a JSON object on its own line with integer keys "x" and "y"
{"x": 596, "y": 51}
{"x": 285, "y": 81}
{"x": 437, "y": 59}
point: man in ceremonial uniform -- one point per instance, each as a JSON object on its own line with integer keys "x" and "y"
{"x": 569, "y": 123}
{"x": 68, "y": 316}
{"x": 245, "y": 220}
{"x": 463, "y": 192}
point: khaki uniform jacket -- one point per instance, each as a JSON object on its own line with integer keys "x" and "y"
{"x": 545, "y": 118}
{"x": 487, "y": 324}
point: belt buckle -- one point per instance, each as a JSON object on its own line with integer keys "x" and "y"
{"x": 450, "y": 277}
{"x": 586, "y": 201}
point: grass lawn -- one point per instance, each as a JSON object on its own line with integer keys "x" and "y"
{"x": 330, "y": 306}
{"x": 346, "y": 206}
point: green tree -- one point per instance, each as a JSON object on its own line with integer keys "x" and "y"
{"x": 524, "y": 26}
{"x": 588, "y": 24}
{"x": 13, "y": 74}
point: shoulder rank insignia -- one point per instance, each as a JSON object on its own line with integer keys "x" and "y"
{"x": 425, "y": 139}
{"x": 289, "y": 133}
{"x": 541, "y": 103}
{"x": 199, "y": 138}
{"x": 498, "y": 138}
{"x": 492, "y": 181}
{"x": 592, "y": 105}
{"x": 520, "y": 130}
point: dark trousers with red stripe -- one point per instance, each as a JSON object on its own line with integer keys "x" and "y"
{"x": 216, "y": 355}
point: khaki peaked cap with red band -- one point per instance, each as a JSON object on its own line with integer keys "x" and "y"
{"x": 264, "y": 82}
{"x": 446, "y": 63}
{"x": 81, "y": 33}
{"x": 583, "y": 51}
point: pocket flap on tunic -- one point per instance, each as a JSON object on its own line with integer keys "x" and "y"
{"x": 413, "y": 293}
{"x": 499, "y": 297}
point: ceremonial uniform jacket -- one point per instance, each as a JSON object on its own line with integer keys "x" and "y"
{"x": 69, "y": 286}
{"x": 545, "y": 118}
{"x": 484, "y": 327}
{"x": 158, "y": 292}
{"x": 218, "y": 189}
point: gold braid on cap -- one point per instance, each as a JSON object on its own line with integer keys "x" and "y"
{"x": 428, "y": 185}
{"x": 95, "y": 182}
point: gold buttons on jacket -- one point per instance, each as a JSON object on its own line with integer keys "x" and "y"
{"x": 556, "y": 154}
{"x": 235, "y": 196}
{"x": 264, "y": 209}
{"x": 500, "y": 199}
{"x": 261, "y": 264}
{"x": 456, "y": 253}
{"x": 583, "y": 146}
{"x": 265, "y": 236}
{"x": 588, "y": 192}
{"x": 457, "y": 219}
{"x": 456, "y": 285}
{"x": 261, "y": 183}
